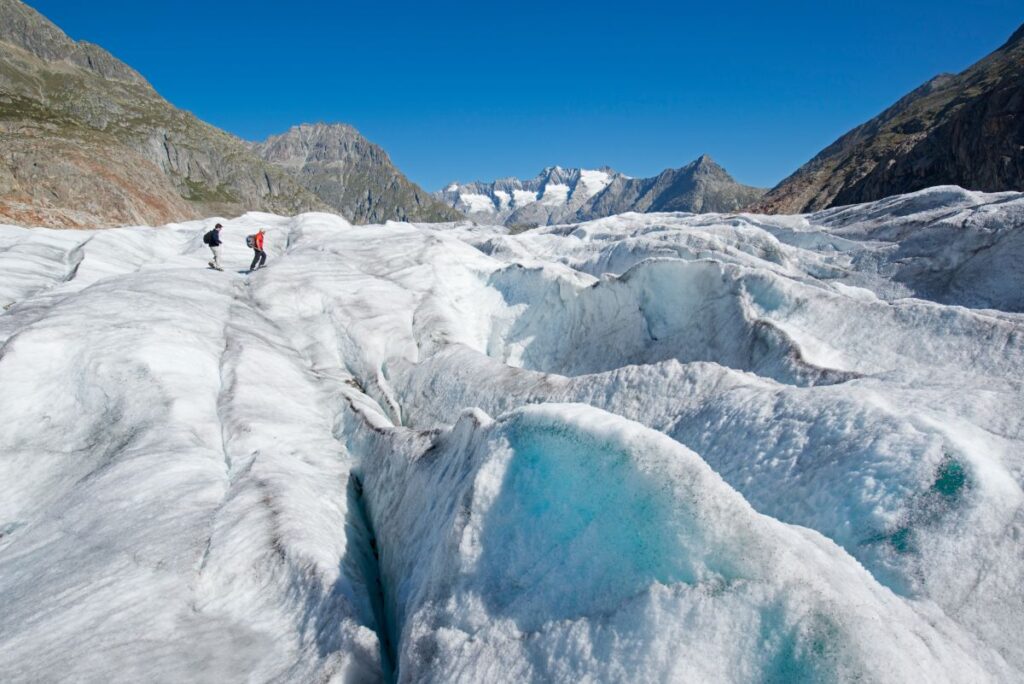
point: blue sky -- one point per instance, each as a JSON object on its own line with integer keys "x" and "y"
{"x": 465, "y": 91}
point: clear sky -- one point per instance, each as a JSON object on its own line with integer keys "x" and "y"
{"x": 466, "y": 91}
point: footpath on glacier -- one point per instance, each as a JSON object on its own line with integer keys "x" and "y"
{"x": 652, "y": 447}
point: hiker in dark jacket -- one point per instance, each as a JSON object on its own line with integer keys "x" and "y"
{"x": 259, "y": 259}
{"x": 213, "y": 240}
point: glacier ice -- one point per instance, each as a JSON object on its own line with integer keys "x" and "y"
{"x": 650, "y": 447}
{"x": 570, "y": 544}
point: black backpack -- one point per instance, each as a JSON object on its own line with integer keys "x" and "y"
{"x": 208, "y": 238}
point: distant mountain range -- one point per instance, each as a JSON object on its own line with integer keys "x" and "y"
{"x": 86, "y": 141}
{"x": 965, "y": 129}
{"x": 555, "y": 194}
{"x": 560, "y": 195}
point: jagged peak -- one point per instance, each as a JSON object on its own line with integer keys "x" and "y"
{"x": 318, "y": 128}
{"x": 320, "y": 142}
{"x": 703, "y": 165}
{"x": 706, "y": 163}
{"x": 326, "y": 126}
{"x": 547, "y": 174}
{"x": 320, "y": 133}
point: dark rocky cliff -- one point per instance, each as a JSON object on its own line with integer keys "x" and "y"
{"x": 965, "y": 129}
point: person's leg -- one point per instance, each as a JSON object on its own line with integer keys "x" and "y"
{"x": 263, "y": 258}
{"x": 216, "y": 256}
{"x": 255, "y": 259}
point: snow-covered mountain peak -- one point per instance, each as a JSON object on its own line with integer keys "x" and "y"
{"x": 560, "y": 194}
{"x": 555, "y": 193}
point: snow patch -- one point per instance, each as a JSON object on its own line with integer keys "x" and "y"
{"x": 473, "y": 203}
{"x": 554, "y": 194}
{"x": 593, "y": 182}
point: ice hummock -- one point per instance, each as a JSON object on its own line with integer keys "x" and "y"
{"x": 565, "y": 543}
{"x": 660, "y": 446}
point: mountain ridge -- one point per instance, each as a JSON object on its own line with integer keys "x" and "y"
{"x": 555, "y": 194}
{"x": 27, "y": 28}
{"x": 963, "y": 129}
{"x": 700, "y": 186}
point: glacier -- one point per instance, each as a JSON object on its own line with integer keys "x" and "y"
{"x": 650, "y": 447}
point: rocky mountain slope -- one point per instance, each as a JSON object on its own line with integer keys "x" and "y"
{"x": 351, "y": 175}
{"x": 965, "y": 129}
{"x": 560, "y": 195}
{"x": 85, "y": 140}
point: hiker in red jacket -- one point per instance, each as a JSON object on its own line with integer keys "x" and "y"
{"x": 259, "y": 259}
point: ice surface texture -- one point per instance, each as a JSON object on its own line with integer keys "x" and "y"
{"x": 654, "y": 447}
